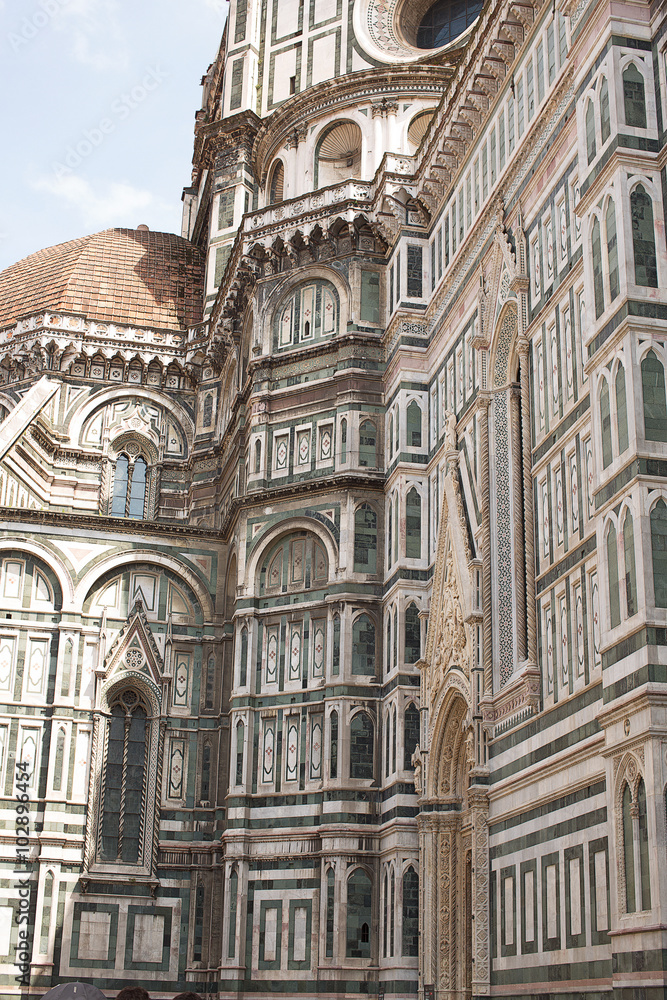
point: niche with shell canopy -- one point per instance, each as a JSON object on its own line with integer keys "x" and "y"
{"x": 338, "y": 154}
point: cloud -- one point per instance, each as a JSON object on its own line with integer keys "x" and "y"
{"x": 96, "y": 37}
{"x": 118, "y": 204}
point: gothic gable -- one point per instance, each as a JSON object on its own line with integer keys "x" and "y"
{"x": 135, "y": 652}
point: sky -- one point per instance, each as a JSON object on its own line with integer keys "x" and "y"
{"x": 97, "y": 106}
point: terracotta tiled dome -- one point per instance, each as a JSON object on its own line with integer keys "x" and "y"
{"x": 125, "y": 276}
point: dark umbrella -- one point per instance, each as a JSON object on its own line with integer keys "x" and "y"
{"x": 74, "y": 991}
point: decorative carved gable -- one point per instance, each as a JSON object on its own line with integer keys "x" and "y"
{"x": 448, "y": 641}
{"x": 135, "y": 651}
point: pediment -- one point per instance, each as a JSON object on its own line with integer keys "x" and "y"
{"x": 135, "y": 650}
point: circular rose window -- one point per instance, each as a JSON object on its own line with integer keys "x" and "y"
{"x": 445, "y": 21}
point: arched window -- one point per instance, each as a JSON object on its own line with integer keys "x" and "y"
{"x": 209, "y": 687}
{"x": 414, "y": 425}
{"x": 359, "y": 915}
{"x": 365, "y": 539}
{"x": 129, "y": 488}
{"x": 605, "y": 118}
{"x": 412, "y": 634}
{"x": 240, "y": 748}
{"x": 59, "y": 761}
{"x": 390, "y": 529}
{"x": 331, "y": 902}
{"x": 198, "y": 936}
{"x": 628, "y": 851}
{"x": 590, "y": 132}
{"x": 233, "y": 904}
{"x": 612, "y": 571}
{"x": 392, "y": 914}
{"x": 387, "y": 652}
{"x": 413, "y": 525}
{"x": 47, "y": 904}
{"x": 643, "y": 238}
{"x": 295, "y": 563}
{"x": 387, "y": 743}
{"x": 243, "y": 672}
{"x": 363, "y": 646}
{"x": 385, "y": 922}
{"x": 310, "y": 313}
{"x": 258, "y": 457}
{"x": 605, "y": 425}
{"x": 621, "y": 410}
{"x": 335, "y": 664}
{"x": 205, "y": 781}
{"x": 410, "y": 913}
{"x": 368, "y": 445}
{"x": 612, "y": 250}
{"x": 333, "y": 745}
{"x": 395, "y": 627}
{"x": 277, "y": 185}
{"x": 630, "y": 571}
{"x": 391, "y": 434}
{"x": 343, "y": 440}
{"x": 642, "y": 822}
{"x": 124, "y": 780}
{"x": 410, "y": 736}
{"x": 598, "y": 283}
{"x": 338, "y": 154}
{"x": 659, "y": 552}
{"x": 655, "y": 401}
{"x": 634, "y": 98}
{"x": 208, "y": 410}
{"x": 361, "y": 746}
{"x": 395, "y": 526}
{"x": 393, "y": 741}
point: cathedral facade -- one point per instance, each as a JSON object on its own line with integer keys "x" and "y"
{"x": 333, "y": 540}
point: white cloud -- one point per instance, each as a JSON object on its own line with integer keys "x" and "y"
{"x": 117, "y": 204}
{"x": 97, "y": 39}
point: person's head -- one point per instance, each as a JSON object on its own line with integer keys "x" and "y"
{"x": 133, "y": 993}
{"x": 188, "y": 996}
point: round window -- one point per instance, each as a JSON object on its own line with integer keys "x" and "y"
{"x": 445, "y": 20}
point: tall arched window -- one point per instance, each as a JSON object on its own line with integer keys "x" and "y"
{"x": 590, "y": 132}
{"x": 243, "y": 670}
{"x": 414, "y": 425}
{"x": 47, "y": 905}
{"x": 612, "y": 250}
{"x": 368, "y": 445}
{"x": 659, "y": 552}
{"x": 387, "y": 743}
{"x": 277, "y": 185}
{"x": 385, "y": 922}
{"x": 643, "y": 238}
{"x": 233, "y": 904}
{"x": 359, "y": 914}
{"x": 628, "y": 851}
{"x": 598, "y": 283}
{"x": 413, "y": 525}
{"x": 343, "y": 440}
{"x": 205, "y": 780}
{"x": 331, "y": 902}
{"x": 393, "y": 740}
{"x": 59, "y": 761}
{"x": 390, "y": 529}
{"x": 335, "y": 659}
{"x": 240, "y": 748}
{"x": 391, "y": 434}
{"x": 655, "y": 401}
{"x": 612, "y": 571}
{"x": 410, "y": 913}
{"x": 361, "y": 746}
{"x": 395, "y": 526}
{"x": 387, "y": 652}
{"x": 129, "y": 488}
{"x": 258, "y": 457}
{"x": 634, "y": 98}
{"x": 363, "y": 646}
{"x": 629, "y": 560}
{"x": 621, "y": 410}
{"x": 412, "y": 634}
{"x": 605, "y": 118}
{"x": 605, "y": 425}
{"x": 124, "y": 780}
{"x": 333, "y": 745}
{"x": 642, "y": 823}
{"x": 410, "y": 736}
{"x": 365, "y": 539}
